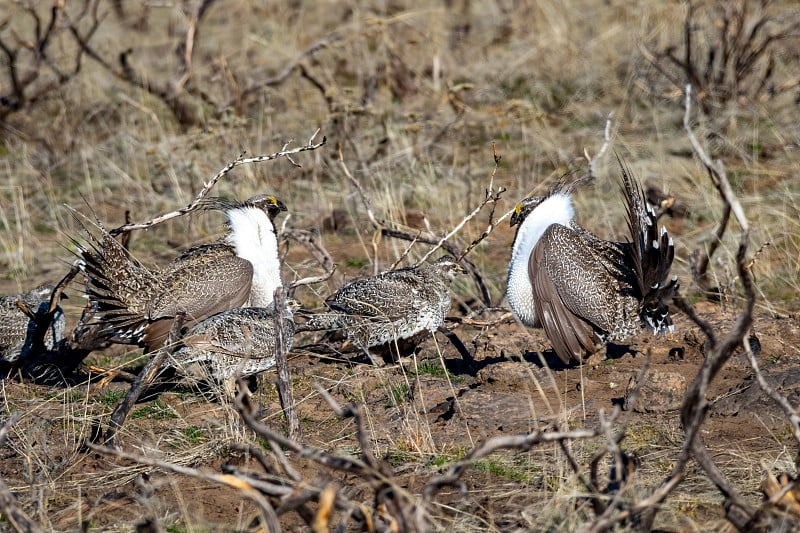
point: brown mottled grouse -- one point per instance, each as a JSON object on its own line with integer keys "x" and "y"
{"x": 16, "y": 328}
{"x": 393, "y": 306}
{"x": 241, "y": 340}
{"x": 583, "y": 290}
{"x": 138, "y": 305}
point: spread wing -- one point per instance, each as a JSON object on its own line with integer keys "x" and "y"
{"x": 567, "y": 279}
{"x": 221, "y": 284}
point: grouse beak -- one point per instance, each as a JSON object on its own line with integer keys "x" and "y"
{"x": 524, "y": 208}
{"x": 516, "y": 217}
{"x": 268, "y": 203}
{"x": 275, "y": 203}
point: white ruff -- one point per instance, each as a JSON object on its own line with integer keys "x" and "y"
{"x": 556, "y": 209}
{"x": 253, "y": 237}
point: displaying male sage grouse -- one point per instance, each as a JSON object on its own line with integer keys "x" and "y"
{"x": 241, "y": 340}
{"x": 398, "y": 305}
{"x": 16, "y": 328}
{"x": 138, "y": 304}
{"x": 583, "y": 290}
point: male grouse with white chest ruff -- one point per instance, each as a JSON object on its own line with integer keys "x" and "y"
{"x": 585, "y": 291}
{"x": 138, "y": 305}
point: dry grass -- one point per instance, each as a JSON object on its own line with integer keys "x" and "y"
{"x": 416, "y": 95}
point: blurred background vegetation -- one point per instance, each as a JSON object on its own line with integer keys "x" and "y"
{"x": 129, "y": 106}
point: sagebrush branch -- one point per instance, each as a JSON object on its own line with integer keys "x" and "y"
{"x": 198, "y": 200}
{"x": 719, "y": 349}
{"x": 592, "y": 161}
{"x": 388, "y": 229}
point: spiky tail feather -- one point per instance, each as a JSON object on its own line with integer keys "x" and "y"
{"x": 115, "y": 283}
{"x": 652, "y": 254}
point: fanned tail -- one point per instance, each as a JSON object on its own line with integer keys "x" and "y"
{"x": 116, "y": 284}
{"x": 653, "y": 251}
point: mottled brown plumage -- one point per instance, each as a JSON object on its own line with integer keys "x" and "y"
{"x": 16, "y": 328}
{"x": 584, "y": 290}
{"x": 138, "y": 304}
{"x": 395, "y": 305}
{"x": 240, "y": 340}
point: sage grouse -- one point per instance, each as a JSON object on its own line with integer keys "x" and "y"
{"x": 393, "y": 306}
{"x": 584, "y": 290}
{"x": 241, "y": 340}
{"x": 16, "y": 328}
{"x": 138, "y": 305}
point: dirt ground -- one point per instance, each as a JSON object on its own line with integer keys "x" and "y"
{"x": 419, "y": 420}
{"x": 426, "y": 104}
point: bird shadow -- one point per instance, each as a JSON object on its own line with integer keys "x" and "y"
{"x": 545, "y": 358}
{"x": 550, "y": 359}
{"x": 618, "y": 351}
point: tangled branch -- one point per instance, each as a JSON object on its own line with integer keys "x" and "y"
{"x": 391, "y": 230}
{"x": 198, "y": 200}
{"x": 735, "y": 59}
{"x": 30, "y": 70}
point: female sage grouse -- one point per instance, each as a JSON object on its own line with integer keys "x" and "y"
{"x": 16, "y": 328}
{"x": 581, "y": 289}
{"x": 396, "y": 305}
{"x": 138, "y": 304}
{"x": 239, "y": 341}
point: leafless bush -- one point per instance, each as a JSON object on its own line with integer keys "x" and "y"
{"x": 179, "y": 94}
{"x": 728, "y": 53}
{"x": 186, "y": 94}
{"x": 38, "y": 57}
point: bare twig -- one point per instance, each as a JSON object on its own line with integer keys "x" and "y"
{"x": 172, "y": 94}
{"x": 311, "y": 280}
{"x": 365, "y": 200}
{"x": 492, "y": 197}
{"x": 384, "y": 228}
{"x": 282, "y": 366}
{"x": 789, "y": 411}
{"x": 718, "y": 351}
{"x": 735, "y": 59}
{"x": 29, "y": 58}
{"x": 13, "y": 515}
{"x": 605, "y": 517}
{"x": 250, "y": 487}
{"x": 320, "y": 253}
{"x": 197, "y": 202}
{"x": 291, "y": 66}
{"x": 505, "y": 442}
{"x": 592, "y": 161}
{"x": 715, "y": 171}
{"x": 701, "y": 260}
{"x": 145, "y": 377}
{"x": 342, "y": 463}
{"x": 7, "y": 425}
